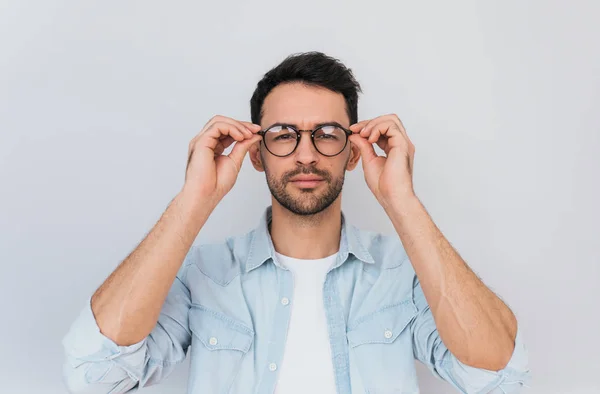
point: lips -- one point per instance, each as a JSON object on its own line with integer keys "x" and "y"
{"x": 306, "y": 181}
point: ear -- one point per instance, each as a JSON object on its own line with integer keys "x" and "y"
{"x": 254, "y": 153}
{"x": 354, "y": 157}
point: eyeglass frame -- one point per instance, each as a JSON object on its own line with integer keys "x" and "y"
{"x": 312, "y": 136}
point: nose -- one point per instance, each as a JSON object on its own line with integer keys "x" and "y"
{"x": 305, "y": 151}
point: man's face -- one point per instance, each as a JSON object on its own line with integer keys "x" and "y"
{"x": 304, "y": 107}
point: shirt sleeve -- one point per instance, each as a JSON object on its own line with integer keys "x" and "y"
{"x": 95, "y": 364}
{"x": 431, "y": 351}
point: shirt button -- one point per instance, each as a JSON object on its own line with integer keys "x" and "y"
{"x": 272, "y": 367}
{"x": 285, "y": 301}
{"x": 387, "y": 334}
{"x": 213, "y": 341}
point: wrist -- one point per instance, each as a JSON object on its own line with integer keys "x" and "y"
{"x": 399, "y": 204}
{"x": 193, "y": 208}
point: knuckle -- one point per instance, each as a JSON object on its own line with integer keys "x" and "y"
{"x": 221, "y": 126}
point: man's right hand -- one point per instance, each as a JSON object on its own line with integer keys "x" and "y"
{"x": 209, "y": 173}
{"x": 128, "y": 304}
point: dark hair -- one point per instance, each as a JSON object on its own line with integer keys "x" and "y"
{"x": 313, "y": 69}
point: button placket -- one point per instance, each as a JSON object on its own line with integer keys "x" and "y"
{"x": 278, "y": 336}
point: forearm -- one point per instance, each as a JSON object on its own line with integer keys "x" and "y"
{"x": 127, "y": 305}
{"x": 474, "y": 324}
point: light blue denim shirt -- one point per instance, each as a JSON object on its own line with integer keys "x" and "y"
{"x": 231, "y": 302}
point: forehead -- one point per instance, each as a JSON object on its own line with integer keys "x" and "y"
{"x": 304, "y": 106}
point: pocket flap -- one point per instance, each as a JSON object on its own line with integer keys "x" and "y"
{"x": 218, "y": 331}
{"x": 382, "y": 326}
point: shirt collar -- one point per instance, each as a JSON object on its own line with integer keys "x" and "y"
{"x": 262, "y": 249}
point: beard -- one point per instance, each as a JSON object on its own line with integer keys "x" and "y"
{"x": 310, "y": 201}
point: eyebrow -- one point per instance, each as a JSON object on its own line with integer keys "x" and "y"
{"x": 332, "y": 123}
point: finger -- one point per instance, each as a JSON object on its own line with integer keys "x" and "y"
{"x": 376, "y": 132}
{"x": 364, "y": 132}
{"x": 367, "y": 151}
{"x": 221, "y": 129}
{"x": 242, "y": 131}
{"x": 219, "y": 133}
{"x": 385, "y": 128}
{"x": 396, "y": 119}
{"x": 400, "y": 125}
{"x": 408, "y": 140}
{"x": 216, "y": 131}
{"x": 225, "y": 119}
{"x": 214, "y": 135}
{"x": 355, "y": 128}
{"x": 248, "y": 131}
{"x": 252, "y": 126}
{"x": 223, "y": 144}
{"x": 226, "y": 138}
{"x": 383, "y": 144}
{"x": 240, "y": 149}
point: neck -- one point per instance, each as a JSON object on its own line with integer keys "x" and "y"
{"x": 306, "y": 237}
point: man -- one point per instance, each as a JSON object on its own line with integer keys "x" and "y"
{"x": 305, "y": 302}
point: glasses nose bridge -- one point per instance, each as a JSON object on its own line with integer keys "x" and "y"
{"x": 310, "y": 142}
{"x": 306, "y": 131}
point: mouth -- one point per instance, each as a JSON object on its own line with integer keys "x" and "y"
{"x": 308, "y": 183}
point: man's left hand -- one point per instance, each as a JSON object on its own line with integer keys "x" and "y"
{"x": 388, "y": 177}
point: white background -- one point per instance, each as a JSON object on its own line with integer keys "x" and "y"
{"x": 98, "y": 101}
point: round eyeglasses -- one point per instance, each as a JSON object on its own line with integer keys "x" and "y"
{"x": 328, "y": 139}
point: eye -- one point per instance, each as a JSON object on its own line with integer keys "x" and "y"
{"x": 329, "y": 133}
{"x": 281, "y": 134}
{"x": 282, "y": 137}
{"x": 326, "y": 137}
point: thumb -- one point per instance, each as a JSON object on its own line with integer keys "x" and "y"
{"x": 367, "y": 151}
{"x": 240, "y": 149}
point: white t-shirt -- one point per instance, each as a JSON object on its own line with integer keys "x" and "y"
{"x": 306, "y": 366}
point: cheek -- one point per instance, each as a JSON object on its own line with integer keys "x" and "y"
{"x": 274, "y": 170}
{"x": 340, "y": 166}
{"x": 269, "y": 165}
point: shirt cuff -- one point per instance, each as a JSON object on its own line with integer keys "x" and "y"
{"x": 514, "y": 374}
{"x": 84, "y": 341}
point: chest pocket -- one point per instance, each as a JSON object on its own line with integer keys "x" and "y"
{"x": 219, "y": 344}
{"x": 381, "y": 349}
